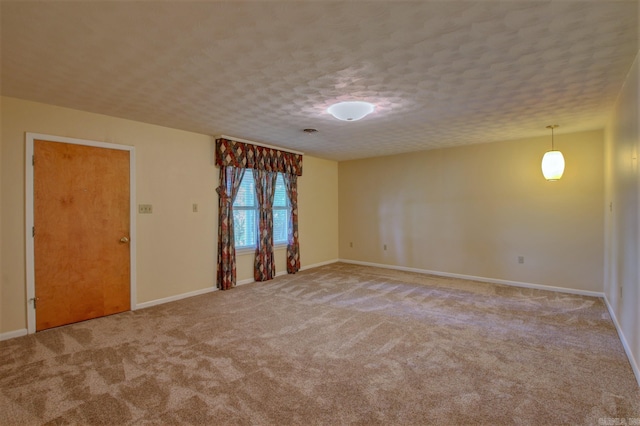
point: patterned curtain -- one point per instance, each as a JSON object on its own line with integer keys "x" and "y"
{"x": 266, "y": 163}
{"x": 265, "y": 183}
{"x": 230, "y": 178}
{"x": 240, "y": 154}
{"x": 293, "y": 246}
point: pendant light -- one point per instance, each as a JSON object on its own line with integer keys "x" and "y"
{"x": 553, "y": 161}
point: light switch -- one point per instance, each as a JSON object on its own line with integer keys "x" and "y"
{"x": 145, "y": 208}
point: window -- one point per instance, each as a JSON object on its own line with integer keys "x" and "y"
{"x": 245, "y": 213}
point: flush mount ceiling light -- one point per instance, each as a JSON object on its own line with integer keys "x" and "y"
{"x": 351, "y": 110}
{"x": 553, "y": 161}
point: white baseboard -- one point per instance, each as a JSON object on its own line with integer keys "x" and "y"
{"x": 303, "y": 268}
{"x": 11, "y": 334}
{"x": 625, "y": 344}
{"x": 482, "y": 279}
{"x": 209, "y": 290}
{"x": 173, "y": 298}
{"x": 316, "y": 265}
{"x": 247, "y": 281}
{"x": 251, "y": 280}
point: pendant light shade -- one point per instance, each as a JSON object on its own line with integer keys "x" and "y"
{"x": 553, "y": 161}
{"x": 350, "y": 111}
{"x": 553, "y": 165}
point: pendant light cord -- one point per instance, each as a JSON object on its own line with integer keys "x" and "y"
{"x": 552, "y": 126}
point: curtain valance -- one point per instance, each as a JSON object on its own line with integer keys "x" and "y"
{"x": 249, "y": 156}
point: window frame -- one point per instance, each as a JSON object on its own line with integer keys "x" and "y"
{"x": 286, "y": 208}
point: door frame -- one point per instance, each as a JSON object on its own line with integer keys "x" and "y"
{"x": 29, "y": 205}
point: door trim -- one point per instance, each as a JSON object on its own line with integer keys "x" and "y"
{"x": 30, "y": 272}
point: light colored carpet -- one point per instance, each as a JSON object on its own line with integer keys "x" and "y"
{"x": 339, "y": 344}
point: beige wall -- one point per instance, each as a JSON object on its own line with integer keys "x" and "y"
{"x": 176, "y": 248}
{"x": 318, "y": 204}
{"x": 473, "y": 210}
{"x": 1, "y": 226}
{"x": 622, "y": 210}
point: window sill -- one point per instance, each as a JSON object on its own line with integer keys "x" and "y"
{"x": 251, "y": 250}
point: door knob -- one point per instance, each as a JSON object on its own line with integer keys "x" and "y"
{"x": 124, "y": 240}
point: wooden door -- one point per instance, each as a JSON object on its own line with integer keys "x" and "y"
{"x": 81, "y": 225}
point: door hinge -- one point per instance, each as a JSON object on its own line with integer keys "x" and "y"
{"x": 35, "y": 301}
{"x": 33, "y": 160}
{"x": 33, "y": 231}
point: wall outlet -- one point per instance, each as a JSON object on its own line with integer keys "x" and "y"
{"x": 520, "y": 259}
{"x": 385, "y": 247}
{"x": 195, "y": 207}
{"x": 351, "y": 244}
{"x": 145, "y": 208}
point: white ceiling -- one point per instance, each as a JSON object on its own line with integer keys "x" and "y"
{"x": 442, "y": 73}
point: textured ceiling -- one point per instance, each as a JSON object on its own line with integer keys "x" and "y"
{"x": 441, "y": 73}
